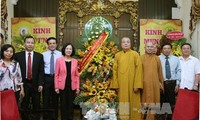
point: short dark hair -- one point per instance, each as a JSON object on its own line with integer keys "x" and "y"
{"x": 166, "y": 44}
{"x": 186, "y": 44}
{"x": 27, "y": 37}
{"x": 64, "y": 47}
{"x": 4, "y": 48}
{"x": 50, "y": 38}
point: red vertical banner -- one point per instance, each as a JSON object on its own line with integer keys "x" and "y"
{"x": 88, "y": 57}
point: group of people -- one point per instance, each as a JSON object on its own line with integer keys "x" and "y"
{"x": 141, "y": 82}
{"x": 144, "y": 83}
{"x": 52, "y": 73}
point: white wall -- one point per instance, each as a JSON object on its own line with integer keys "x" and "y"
{"x": 196, "y": 41}
{"x": 185, "y": 17}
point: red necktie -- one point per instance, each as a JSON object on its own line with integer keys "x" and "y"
{"x": 29, "y": 72}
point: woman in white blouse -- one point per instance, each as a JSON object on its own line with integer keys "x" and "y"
{"x": 10, "y": 73}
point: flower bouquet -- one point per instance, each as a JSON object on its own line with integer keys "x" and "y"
{"x": 96, "y": 55}
{"x": 99, "y": 101}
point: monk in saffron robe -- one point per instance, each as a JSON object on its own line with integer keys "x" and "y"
{"x": 152, "y": 80}
{"x": 127, "y": 79}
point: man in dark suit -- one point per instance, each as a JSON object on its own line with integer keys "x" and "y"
{"x": 32, "y": 69}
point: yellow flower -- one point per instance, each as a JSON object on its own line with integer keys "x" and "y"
{"x": 107, "y": 95}
{"x": 93, "y": 92}
{"x": 101, "y": 94}
{"x": 92, "y": 42}
{"x": 84, "y": 94}
{"x": 93, "y": 99}
{"x": 106, "y": 84}
{"x": 113, "y": 95}
{"x": 94, "y": 87}
{"x": 111, "y": 91}
{"x": 91, "y": 68}
{"x": 96, "y": 82}
{"x": 112, "y": 44}
{"x": 86, "y": 87}
{"x": 114, "y": 50}
{"x": 89, "y": 47}
{"x": 81, "y": 53}
{"x": 106, "y": 66}
{"x": 100, "y": 86}
{"x": 107, "y": 50}
{"x": 94, "y": 70}
{"x": 103, "y": 101}
{"x": 86, "y": 44}
{"x": 88, "y": 83}
{"x": 105, "y": 44}
{"x": 100, "y": 68}
{"x": 102, "y": 73}
{"x": 97, "y": 59}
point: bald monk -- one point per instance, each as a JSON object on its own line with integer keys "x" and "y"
{"x": 127, "y": 80}
{"x": 152, "y": 80}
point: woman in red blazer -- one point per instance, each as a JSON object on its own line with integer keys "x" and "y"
{"x": 67, "y": 80}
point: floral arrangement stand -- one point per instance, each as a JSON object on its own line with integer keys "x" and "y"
{"x": 96, "y": 56}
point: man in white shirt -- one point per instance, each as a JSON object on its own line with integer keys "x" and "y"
{"x": 190, "y": 68}
{"x": 50, "y": 98}
{"x": 190, "y": 72}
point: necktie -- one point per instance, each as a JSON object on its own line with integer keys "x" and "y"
{"x": 167, "y": 68}
{"x": 29, "y": 72}
{"x": 52, "y": 63}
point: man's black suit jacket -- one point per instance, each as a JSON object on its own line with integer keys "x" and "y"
{"x": 37, "y": 68}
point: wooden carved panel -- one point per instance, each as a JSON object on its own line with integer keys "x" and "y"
{"x": 4, "y": 14}
{"x": 96, "y": 8}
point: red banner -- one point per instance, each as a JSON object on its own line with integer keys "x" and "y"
{"x": 175, "y": 35}
{"x": 94, "y": 49}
